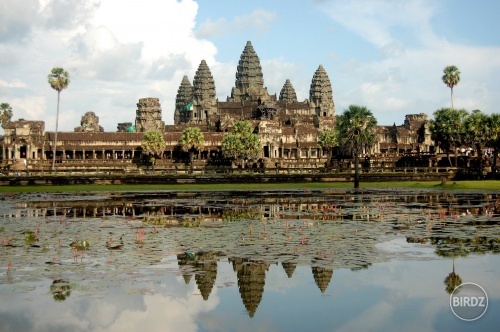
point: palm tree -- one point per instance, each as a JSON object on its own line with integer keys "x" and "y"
{"x": 451, "y": 78}
{"x": 5, "y": 114}
{"x": 453, "y": 280}
{"x": 58, "y": 80}
{"x": 191, "y": 139}
{"x": 356, "y": 132}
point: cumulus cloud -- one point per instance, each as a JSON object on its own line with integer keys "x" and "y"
{"x": 115, "y": 53}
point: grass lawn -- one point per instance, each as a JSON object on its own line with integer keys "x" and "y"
{"x": 456, "y": 185}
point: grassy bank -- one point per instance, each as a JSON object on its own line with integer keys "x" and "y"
{"x": 458, "y": 185}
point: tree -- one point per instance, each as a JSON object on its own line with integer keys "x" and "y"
{"x": 451, "y": 77}
{"x": 447, "y": 130}
{"x": 356, "y": 133}
{"x": 327, "y": 140}
{"x": 241, "y": 143}
{"x": 453, "y": 280}
{"x": 191, "y": 140}
{"x": 477, "y": 132}
{"x": 153, "y": 144}
{"x": 58, "y": 80}
{"x": 5, "y": 114}
{"x": 493, "y": 140}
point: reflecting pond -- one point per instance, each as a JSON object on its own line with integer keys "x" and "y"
{"x": 292, "y": 260}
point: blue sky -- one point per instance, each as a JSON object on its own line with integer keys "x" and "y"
{"x": 386, "y": 55}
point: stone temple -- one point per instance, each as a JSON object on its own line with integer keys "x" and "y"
{"x": 288, "y": 128}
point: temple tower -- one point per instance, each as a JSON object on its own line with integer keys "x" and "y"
{"x": 320, "y": 94}
{"x": 183, "y": 102}
{"x": 89, "y": 123}
{"x": 249, "y": 83}
{"x": 322, "y": 277}
{"x": 148, "y": 115}
{"x": 204, "y": 101}
{"x": 287, "y": 93}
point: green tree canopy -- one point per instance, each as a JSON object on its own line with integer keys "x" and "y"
{"x": 447, "y": 129}
{"x": 451, "y": 77}
{"x": 494, "y": 136}
{"x": 327, "y": 140}
{"x": 58, "y": 80}
{"x": 153, "y": 143}
{"x": 241, "y": 143}
{"x": 191, "y": 139}
{"x": 477, "y": 131}
{"x": 5, "y": 114}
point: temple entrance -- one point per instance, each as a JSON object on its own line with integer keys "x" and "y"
{"x": 266, "y": 151}
{"x": 22, "y": 151}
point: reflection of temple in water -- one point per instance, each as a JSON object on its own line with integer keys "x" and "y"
{"x": 251, "y": 280}
{"x": 289, "y": 268}
{"x": 170, "y": 208}
{"x": 206, "y": 273}
{"x": 322, "y": 277}
{"x": 204, "y": 267}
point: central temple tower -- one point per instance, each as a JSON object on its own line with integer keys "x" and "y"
{"x": 249, "y": 83}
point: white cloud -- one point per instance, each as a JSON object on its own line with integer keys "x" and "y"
{"x": 115, "y": 54}
{"x": 12, "y": 84}
{"x": 406, "y": 78}
{"x": 259, "y": 20}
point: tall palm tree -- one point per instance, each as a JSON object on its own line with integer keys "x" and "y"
{"x": 451, "y": 77}
{"x": 58, "y": 80}
{"x": 356, "y": 132}
{"x": 453, "y": 280}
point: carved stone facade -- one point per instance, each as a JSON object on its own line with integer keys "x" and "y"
{"x": 24, "y": 139}
{"x": 89, "y": 123}
{"x": 148, "y": 115}
{"x": 288, "y": 129}
{"x": 413, "y": 136}
{"x": 183, "y": 101}
{"x": 250, "y": 100}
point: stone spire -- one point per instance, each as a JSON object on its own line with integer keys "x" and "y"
{"x": 249, "y": 78}
{"x": 183, "y": 98}
{"x": 204, "y": 102}
{"x": 206, "y": 274}
{"x": 148, "y": 115}
{"x": 320, "y": 94}
{"x": 251, "y": 280}
{"x": 322, "y": 277}
{"x": 289, "y": 268}
{"x": 287, "y": 93}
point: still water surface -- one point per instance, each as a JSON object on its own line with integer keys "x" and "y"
{"x": 302, "y": 260}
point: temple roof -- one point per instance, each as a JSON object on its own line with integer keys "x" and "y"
{"x": 249, "y": 71}
{"x": 203, "y": 83}
{"x": 321, "y": 88}
{"x": 287, "y": 93}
